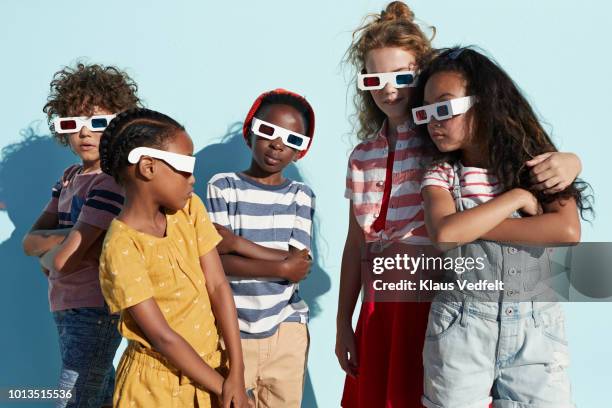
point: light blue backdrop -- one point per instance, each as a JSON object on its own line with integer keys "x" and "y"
{"x": 204, "y": 63}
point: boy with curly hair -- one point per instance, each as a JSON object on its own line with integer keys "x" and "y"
{"x": 68, "y": 235}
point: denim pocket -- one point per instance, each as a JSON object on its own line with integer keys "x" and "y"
{"x": 443, "y": 318}
{"x": 532, "y": 277}
{"x": 553, "y": 325}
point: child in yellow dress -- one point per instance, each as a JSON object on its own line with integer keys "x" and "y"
{"x": 160, "y": 268}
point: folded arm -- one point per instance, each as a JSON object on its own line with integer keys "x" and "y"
{"x": 559, "y": 225}
{"x": 44, "y": 235}
{"x": 449, "y": 228}
{"x": 235, "y": 244}
{"x": 67, "y": 256}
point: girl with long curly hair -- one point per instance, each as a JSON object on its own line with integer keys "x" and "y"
{"x": 506, "y": 346}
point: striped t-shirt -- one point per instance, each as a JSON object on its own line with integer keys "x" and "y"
{"x": 92, "y": 198}
{"x": 365, "y": 184}
{"x": 477, "y": 185}
{"x": 277, "y": 217}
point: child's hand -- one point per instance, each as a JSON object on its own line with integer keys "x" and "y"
{"x": 555, "y": 171}
{"x": 346, "y": 351}
{"x": 300, "y": 253}
{"x": 234, "y": 393}
{"x": 229, "y": 242}
{"x": 529, "y": 204}
{"x": 296, "y": 266}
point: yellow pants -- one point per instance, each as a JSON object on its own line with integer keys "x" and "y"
{"x": 275, "y": 366}
{"x": 147, "y": 379}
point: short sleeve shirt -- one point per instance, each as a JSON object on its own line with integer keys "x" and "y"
{"x": 92, "y": 198}
{"x": 278, "y": 217}
{"x": 477, "y": 185}
{"x": 365, "y": 186}
{"x": 135, "y": 266}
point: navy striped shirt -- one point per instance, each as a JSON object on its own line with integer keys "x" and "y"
{"x": 275, "y": 216}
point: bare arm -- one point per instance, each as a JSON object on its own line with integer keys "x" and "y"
{"x": 234, "y": 244}
{"x": 350, "y": 286}
{"x": 558, "y": 225}
{"x": 224, "y": 309}
{"x": 44, "y": 235}
{"x": 294, "y": 268}
{"x": 244, "y": 258}
{"x": 174, "y": 347}
{"x": 252, "y": 250}
{"x": 231, "y": 243}
{"x": 448, "y": 228}
{"x": 67, "y": 256}
{"x": 350, "y": 270}
{"x": 551, "y": 172}
{"x": 236, "y": 265}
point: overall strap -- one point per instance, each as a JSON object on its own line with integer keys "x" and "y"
{"x": 458, "y": 203}
{"x": 457, "y": 186}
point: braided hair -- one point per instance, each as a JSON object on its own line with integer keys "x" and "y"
{"x": 130, "y": 129}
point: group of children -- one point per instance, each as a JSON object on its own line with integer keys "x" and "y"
{"x": 207, "y": 295}
{"x": 129, "y": 251}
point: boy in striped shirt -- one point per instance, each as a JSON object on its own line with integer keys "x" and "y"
{"x": 266, "y": 224}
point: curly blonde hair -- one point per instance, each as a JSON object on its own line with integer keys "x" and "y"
{"x": 393, "y": 27}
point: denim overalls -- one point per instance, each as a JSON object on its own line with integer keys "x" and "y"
{"x": 508, "y": 347}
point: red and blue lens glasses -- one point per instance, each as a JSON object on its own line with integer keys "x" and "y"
{"x": 96, "y": 123}
{"x": 271, "y": 131}
{"x": 442, "y": 110}
{"x": 399, "y": 79}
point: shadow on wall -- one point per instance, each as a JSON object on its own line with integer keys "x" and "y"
{"x": 30, "y": 353}
{"x": 231, "y": 154}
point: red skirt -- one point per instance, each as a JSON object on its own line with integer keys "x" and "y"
{"x": 390, "y": 338}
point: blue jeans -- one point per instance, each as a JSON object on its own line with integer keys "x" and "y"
{"x": 88, "y": 339}
{"x": 512, "y": 353}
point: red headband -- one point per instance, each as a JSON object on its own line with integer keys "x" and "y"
{"x": 246, "y": 128}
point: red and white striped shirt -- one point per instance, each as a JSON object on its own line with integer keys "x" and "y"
{"x": 365, "y": 183}
{"x": 478, "y": 185}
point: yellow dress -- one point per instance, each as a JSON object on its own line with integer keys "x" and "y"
{"x": 135, "y": 267}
